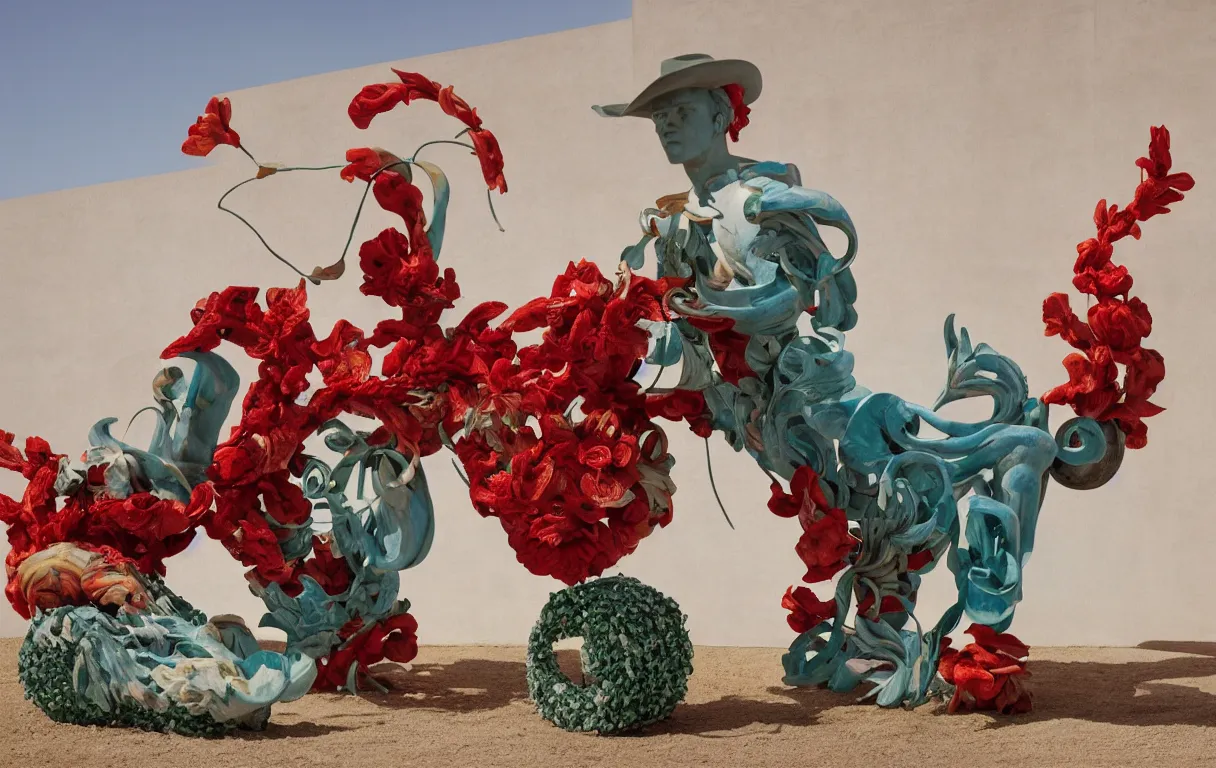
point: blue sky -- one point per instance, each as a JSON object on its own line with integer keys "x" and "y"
{"x": 101, "y": 91}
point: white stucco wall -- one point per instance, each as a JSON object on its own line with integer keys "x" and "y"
{"x": 969, "y": 141}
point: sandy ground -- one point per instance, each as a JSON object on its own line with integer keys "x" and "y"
{"x": 467, "y": 706}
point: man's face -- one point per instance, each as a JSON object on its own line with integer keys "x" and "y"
{"x": 684, "y": 121}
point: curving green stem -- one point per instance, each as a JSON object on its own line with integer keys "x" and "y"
{"x": 349, "y": 238}
{"x": 710, "y": 466}
{"x": 362, "y": 200}
{"x": 440, "y": 141}
{"x": 489, "y": 196}
{"x": 254, "y": 229}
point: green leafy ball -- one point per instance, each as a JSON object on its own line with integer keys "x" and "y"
{"x": 636, "y": 656}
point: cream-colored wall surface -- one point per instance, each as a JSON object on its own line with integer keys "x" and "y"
{"x": 969, "y": 141}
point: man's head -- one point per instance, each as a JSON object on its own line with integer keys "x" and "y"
{"x": 692, "y": 123}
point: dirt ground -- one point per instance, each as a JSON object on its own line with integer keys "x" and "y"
{"x": 467, "y": 706}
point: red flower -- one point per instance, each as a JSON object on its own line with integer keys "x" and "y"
{"x": 1145, "y": 370}
{"x": 230, "y": 314}
{"x": 364, "y": 162}
{"x": 405, "y": 277}
{"x": 375, "y": 99}
{"x": 10, "y": 458}
{"x": 741, "y": 110}
{"x": 890, "y": 604}
{"x": 1161, "y": 188}
{"x": 418, "y": 86}
{"x": 457, "y": 107}
{"x": 988, "y": 674}
{"x": 1107, "y": 282}
{"x": 806, "y": 494}
{"x": 682, "y": 404}
{"x": 1091, "y": 389}
{"x": 806, "y": 610}
{"x": 826, "y": 541}
{"x": 729, "y": 347}
{"x": 490, "y": 156}
{"x": 329, "y": 571}
{"x": 825, "y": 545}
{"x": 342, "y": 356}
{"x": 211, "y": 129}
{"x": 254, "y": 544}
{"x": 1120, "y": 325}
{"x": 394, "y": 638}
{"x": 1062, "y": 321}
{"x": 397, "y": 195}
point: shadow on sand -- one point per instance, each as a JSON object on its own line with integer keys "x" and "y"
{"x": 1148, "y": 693}
{"x": 1136, "y": 693}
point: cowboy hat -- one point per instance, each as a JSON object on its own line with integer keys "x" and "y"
{"x": 693, "y": 70}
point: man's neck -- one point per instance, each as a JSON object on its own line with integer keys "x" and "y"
{"x": 704, "y": 169}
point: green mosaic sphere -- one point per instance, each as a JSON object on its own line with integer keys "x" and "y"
{"x": 636, "y": 656}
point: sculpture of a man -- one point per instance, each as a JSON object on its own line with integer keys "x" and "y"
{"x": 746, "y": 239}
{"x": 747, "y": 235}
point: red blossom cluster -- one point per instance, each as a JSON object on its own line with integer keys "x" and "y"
{"x": 580, "y": 494}
{"x": 395, "y": 639}
{"x": 574, "y": 495}
{"x": 140, "y": 529}
{"x": 988, "y": 674}
{"x": 1117, "y": 322}
{"x": 382, "y": 97}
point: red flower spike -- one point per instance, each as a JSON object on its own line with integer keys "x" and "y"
{"x": 1117, "y": 323}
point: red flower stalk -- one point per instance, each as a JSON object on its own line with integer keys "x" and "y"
{"x": 988, "y": 674}
{"x": 1117, "y": 323}
{"x": 211, "y": 129}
